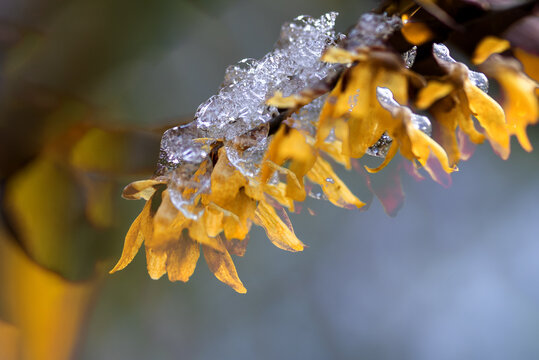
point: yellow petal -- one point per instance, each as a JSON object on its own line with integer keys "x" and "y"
{"x": 334, "y": 188}
{"x": 464, "y": 115}
{"x": 213, "y": 220}
{"x": 289, "y": 102}
{"x": 447, "y": 117}
{"x": 434, "y": 91}
{"x": 529, "y": 62}
{"x": 488, "y": 46}
{"x": 423, "y": 145}
{"x": 279, "y": 233}
{"x": 416, "y": 33}
{"x": 521, "y": 103}
{"x": 289, "y": 145}
{"x": 156, "y": 262}
{"x": 168, "y": 223}
{"x": 182, "y": 259}
{"x": 340, "y": 56}
{"x": 389, "y": 156}
{"x": 198, "y": 232}
{"x": 226, "y": 181}
{"x": 278, "y": 192}
{"x": 223, "y": 268}
{"x": 238, "y": 226}
{"x": 142, "y": 189}
{"x": 236, "y": 246}
{"x": 490, "y": 115}
{"x": 133, "y": 241}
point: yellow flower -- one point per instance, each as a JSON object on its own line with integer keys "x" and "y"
{"x": 520, "y": 101}
{"x": 172, "y": 240}
{"x": 354, "y": 100}
{"x": 453, "y": 99}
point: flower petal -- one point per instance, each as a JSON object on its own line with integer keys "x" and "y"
{"x": 488, "y": 46}
{"x": 279, "y": 233}
{"x": 156, "y": 262}
{"x": 490, "y": 115}
{"x": 393, "y": 149}
{"x": 334, "y": 188}
{"x": 182, "y": 259}
{"x": 434, "y": 91}
{"x": 416, "y": 33}
{"x": 142, "y": 189}
{"x": 223, "y": 268}
{"x": 521, "y": 104}
{"x": 132, "y": 243}
{"x": 237, "y": 247}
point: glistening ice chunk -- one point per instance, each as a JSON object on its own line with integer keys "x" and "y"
{"x": 247, "y": 151}
{"x": 381, "y": 147}
{"x": 385, "y": 98}
{"x": 409, "y": 57}
{"x": 186, "y": 185}
{"x": 479, "y": 79}
{"x": 442, "y": 55}
{"x": 292, "y": 66}
{"x": 306, "y": 118}
{"x": 178, "y": 147}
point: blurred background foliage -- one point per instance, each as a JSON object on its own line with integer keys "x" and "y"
{"x": 86, "y": 89}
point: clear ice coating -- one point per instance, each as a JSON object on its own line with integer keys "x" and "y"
{"x": 409, "y": 57}
{"x": 441, "y": 54}
{"x": 179, "y": 146}
{"x": 388, "y": 102}
{"x": 240, "y": 106}
{"x": 292, "y": 66}
{"x": 183, "y": 178}
{"x": 306, "y": 118}
{"x": 247, "y": 151}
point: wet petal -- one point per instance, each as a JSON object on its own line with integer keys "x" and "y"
{"x": 334, "y": 188}
{"x": 434, "y": 91}
{"x": 393, "y": 149}
{"x": 156, "y": 262}
{"x": 223, "y": 268}
{"x": 488, "y": 46}
{"x": 182, "y": 259}
{"x": 416, "y": 33}
{"x": 198, "y": 232}
{"x": 341, "y": 56}
{"x": 530, "y": 63}
{"x": 289, "y": 102}
{"x": 289, "y": 145}
{"x": 279, "y": 232}
{"x": 490, "y": 115}
{"x": 521, "y": 104}
{"x": 142, "y": 189}
{"x": 237, "y": 247}
{"x": 132, "y": 243}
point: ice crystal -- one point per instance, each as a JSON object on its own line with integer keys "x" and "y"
{"x": 388, "y": 102}
{"x": 306, "y": 119}
{"x": 292, "y": 66}
{"x": 409, "y": 57}
{"x": 179, "y": 146}
{"x": 442, "y": 55}
{"x": 246, "y": 152}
